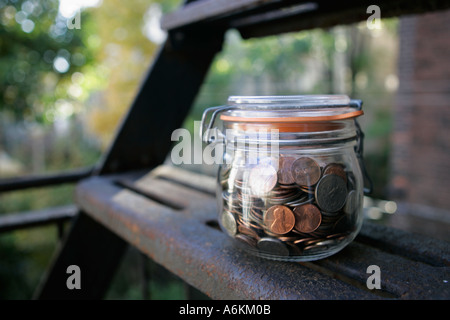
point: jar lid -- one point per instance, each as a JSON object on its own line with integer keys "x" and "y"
{"x": 295, "y": 108}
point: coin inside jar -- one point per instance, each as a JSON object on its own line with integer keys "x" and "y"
{"x": 285, "y": 170}
{"x": 306, "y": 171}
{"x": 331, "y": 193}
{"x": 350, "y": 203}
{"x": 246, "y": 239}
{"x": 279, "y": 219}
{"x": 337, "y": 169}
{"x": 273, "y": 246}
{"x": 229, "y": 222}
{"x": 307, "y": 218}
{"x": 247, "y": 231}
{"x": 262, "y": 179}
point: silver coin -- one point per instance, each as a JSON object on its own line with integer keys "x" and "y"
{"x": 350, "y": 203}
{"x": 273, "y": 246}
{"x": 300, "y": 201}
{"x": 262, "y": 179}
{"x": 331, "y": 214}
{"x": 331, "y": 193}
{"x": 229, "y": 223}
{"x": 291, "y": 197}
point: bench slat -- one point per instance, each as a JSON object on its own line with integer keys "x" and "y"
{"x": 400, "y": 277}
{"x": 416, "y": 247}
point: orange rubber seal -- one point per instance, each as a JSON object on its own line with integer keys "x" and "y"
{"x": 292, "y": 124}
{"x": 343, "y": 116}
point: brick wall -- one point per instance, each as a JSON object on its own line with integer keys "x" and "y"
{"x": 420, "y": 159}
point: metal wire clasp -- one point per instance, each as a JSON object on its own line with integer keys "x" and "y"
{"x": 359, "y": 150}
{"x": 207, "y": 134}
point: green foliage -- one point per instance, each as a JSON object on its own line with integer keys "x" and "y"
{"x": 37, "y": 53}
{"x": 24, "y": 257}
{"x": 12, "y": 269}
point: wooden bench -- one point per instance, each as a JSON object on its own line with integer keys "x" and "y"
{"x": 170, "y": 214}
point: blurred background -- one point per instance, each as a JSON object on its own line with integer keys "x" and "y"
{"x": 69, "y": 70}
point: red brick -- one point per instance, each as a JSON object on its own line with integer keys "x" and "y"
{"x": 421, "y": 139}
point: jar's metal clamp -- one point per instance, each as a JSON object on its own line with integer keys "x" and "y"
{"x": 359, "y": 150}
{"x": 209, "y": 135}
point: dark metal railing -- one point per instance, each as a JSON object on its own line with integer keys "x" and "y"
{"x": 29, "y": 219}
{"x": 33, "y": 181}
{"x": 55, "y": 215}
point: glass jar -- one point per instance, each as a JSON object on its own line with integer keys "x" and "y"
{"x": 290, "y": 183}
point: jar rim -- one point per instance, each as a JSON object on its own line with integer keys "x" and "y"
{"x": 289, "y": 101}
{"x": 294, "y": 108}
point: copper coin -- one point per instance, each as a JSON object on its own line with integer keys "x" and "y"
{"x": 306, "y": 171}
{"x": 285, "y": 170}
{"x": 307, "y": 218}
{"x": 331, "y": 193}
{"x": 262, "y": 179}
{"x": 279, "y": 219}
{"x": 337, "y": 169}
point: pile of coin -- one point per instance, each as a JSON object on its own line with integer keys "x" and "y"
{"x": 292, "y": 208}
